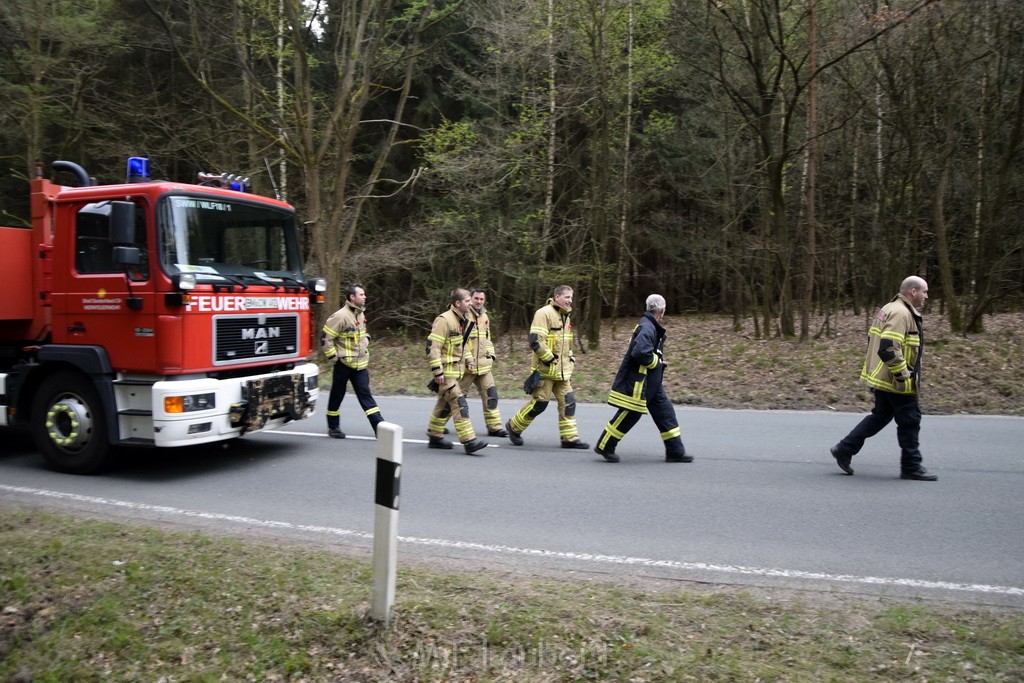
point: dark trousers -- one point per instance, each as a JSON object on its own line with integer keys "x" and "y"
{"x": 664, "y": 415}
{"x": 360, "y": 380}
{"x": 888, "y": 407}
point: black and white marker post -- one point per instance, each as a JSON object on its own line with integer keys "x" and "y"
{"x": 385, "y": 522}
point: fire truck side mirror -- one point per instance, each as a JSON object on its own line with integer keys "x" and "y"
{"x": 127, "y": 256}
{"x": 122, "y": 222}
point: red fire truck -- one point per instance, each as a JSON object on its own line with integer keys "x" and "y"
{"x": 152, "y": 313}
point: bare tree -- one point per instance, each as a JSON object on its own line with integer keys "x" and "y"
{"x": 347, "y": 74}
{"x": 762, "y": 63}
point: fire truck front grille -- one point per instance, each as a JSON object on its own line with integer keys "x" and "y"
{"x": 245, "y": 338}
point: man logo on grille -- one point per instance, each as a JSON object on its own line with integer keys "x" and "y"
{"x": 261, "y": 332}
{"x": 262, "y": 348}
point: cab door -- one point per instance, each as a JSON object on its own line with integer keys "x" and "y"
{"x": 104, "y": 301}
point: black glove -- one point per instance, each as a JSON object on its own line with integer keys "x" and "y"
{"x": 433, "y": 385}
{"x": 531, "y": 383}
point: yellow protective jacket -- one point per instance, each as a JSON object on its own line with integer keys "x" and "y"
{"x": 444, "y": 345}
{"x": 344, "y": 337}
{"x": 479, "y": 347}
{"x": 551, "y": 341}
{"x": 893, "y": 360}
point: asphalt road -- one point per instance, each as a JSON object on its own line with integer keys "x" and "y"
{"x": 764, "y": 504}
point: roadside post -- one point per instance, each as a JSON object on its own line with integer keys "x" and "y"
{"x": 385, "y": 522}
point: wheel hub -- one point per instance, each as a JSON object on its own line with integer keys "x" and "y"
{"x": 68, "y": 424}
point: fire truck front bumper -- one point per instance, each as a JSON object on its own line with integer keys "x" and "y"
{"x": 204, "y": 410}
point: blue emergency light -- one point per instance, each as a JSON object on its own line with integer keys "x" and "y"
{"x": 138, "y": 169}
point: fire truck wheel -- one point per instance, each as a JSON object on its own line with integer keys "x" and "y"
{"x": 68, "y": 424}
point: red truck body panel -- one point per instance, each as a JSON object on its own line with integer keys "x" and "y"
{"x": 16, "y": 266}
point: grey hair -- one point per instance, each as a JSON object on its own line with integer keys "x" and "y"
{"x": 912, "y": 282}
{"x": 655, "y": 302}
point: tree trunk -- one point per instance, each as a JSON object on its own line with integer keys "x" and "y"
{"x": 812, "y": 179}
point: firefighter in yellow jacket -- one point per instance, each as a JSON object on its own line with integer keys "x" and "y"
{"x": 551, "y": 342}
{"x": 892, "y": 368}
{"x": 345, "y": 341}
{"x": 479, "y": 360}
{"x": 445, "y": 353}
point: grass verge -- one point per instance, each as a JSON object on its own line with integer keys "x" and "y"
{"x": 89, "y": 601}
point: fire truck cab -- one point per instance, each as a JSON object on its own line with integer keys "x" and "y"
{"x": 153, "y": 313}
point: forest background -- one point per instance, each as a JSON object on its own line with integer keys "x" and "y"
{"x": 779, "y": 162}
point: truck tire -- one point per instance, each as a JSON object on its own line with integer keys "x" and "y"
{"x": 68, "y": 424}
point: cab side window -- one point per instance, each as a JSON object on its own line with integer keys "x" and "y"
{"x": 94, "y": 252}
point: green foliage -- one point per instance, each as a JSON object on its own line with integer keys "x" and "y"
{"x": 451, "y": 138}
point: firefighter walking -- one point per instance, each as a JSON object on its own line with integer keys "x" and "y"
{"x": 638, "y": 389}
{"x": 345, "y": 341}
{"x": 892, "y": 368}
{"x": 479, "y": 354}
{"x": 445, "y": 353}
{"x": 551, "y": 341}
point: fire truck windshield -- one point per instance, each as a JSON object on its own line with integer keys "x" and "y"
{"x": 221, "y": 240}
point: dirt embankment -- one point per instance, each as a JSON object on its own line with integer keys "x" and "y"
{"x": 712, "y": 365}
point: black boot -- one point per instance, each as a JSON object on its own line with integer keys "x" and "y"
{"x": 678, "y": 456}
{"x": 920, "y": 474}
{"x": 513, "y": 435}
{"x": 606, "y": 453}
{"x": 675, "y": 451}
{"x": 438, "y": 442}
{"x": 842, "y": 460}
{"x": 474, "y": 445}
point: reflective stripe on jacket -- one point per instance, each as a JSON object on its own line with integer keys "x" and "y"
{"x": 551, "y": 341}
{"x": 344, "y": 338}
{"x": 444, "y": 345}
{"x": 893, "y": 359}
{"x": 641, "y": 366}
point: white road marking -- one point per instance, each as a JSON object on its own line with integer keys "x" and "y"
{"x": 350, "y": 436}
{"x": 532, "y": 552}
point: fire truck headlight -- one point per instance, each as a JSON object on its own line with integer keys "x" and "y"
{"x": 186, "y": 281}
{"x": 187, "y": 404}
{"x": 317, "y": 285}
